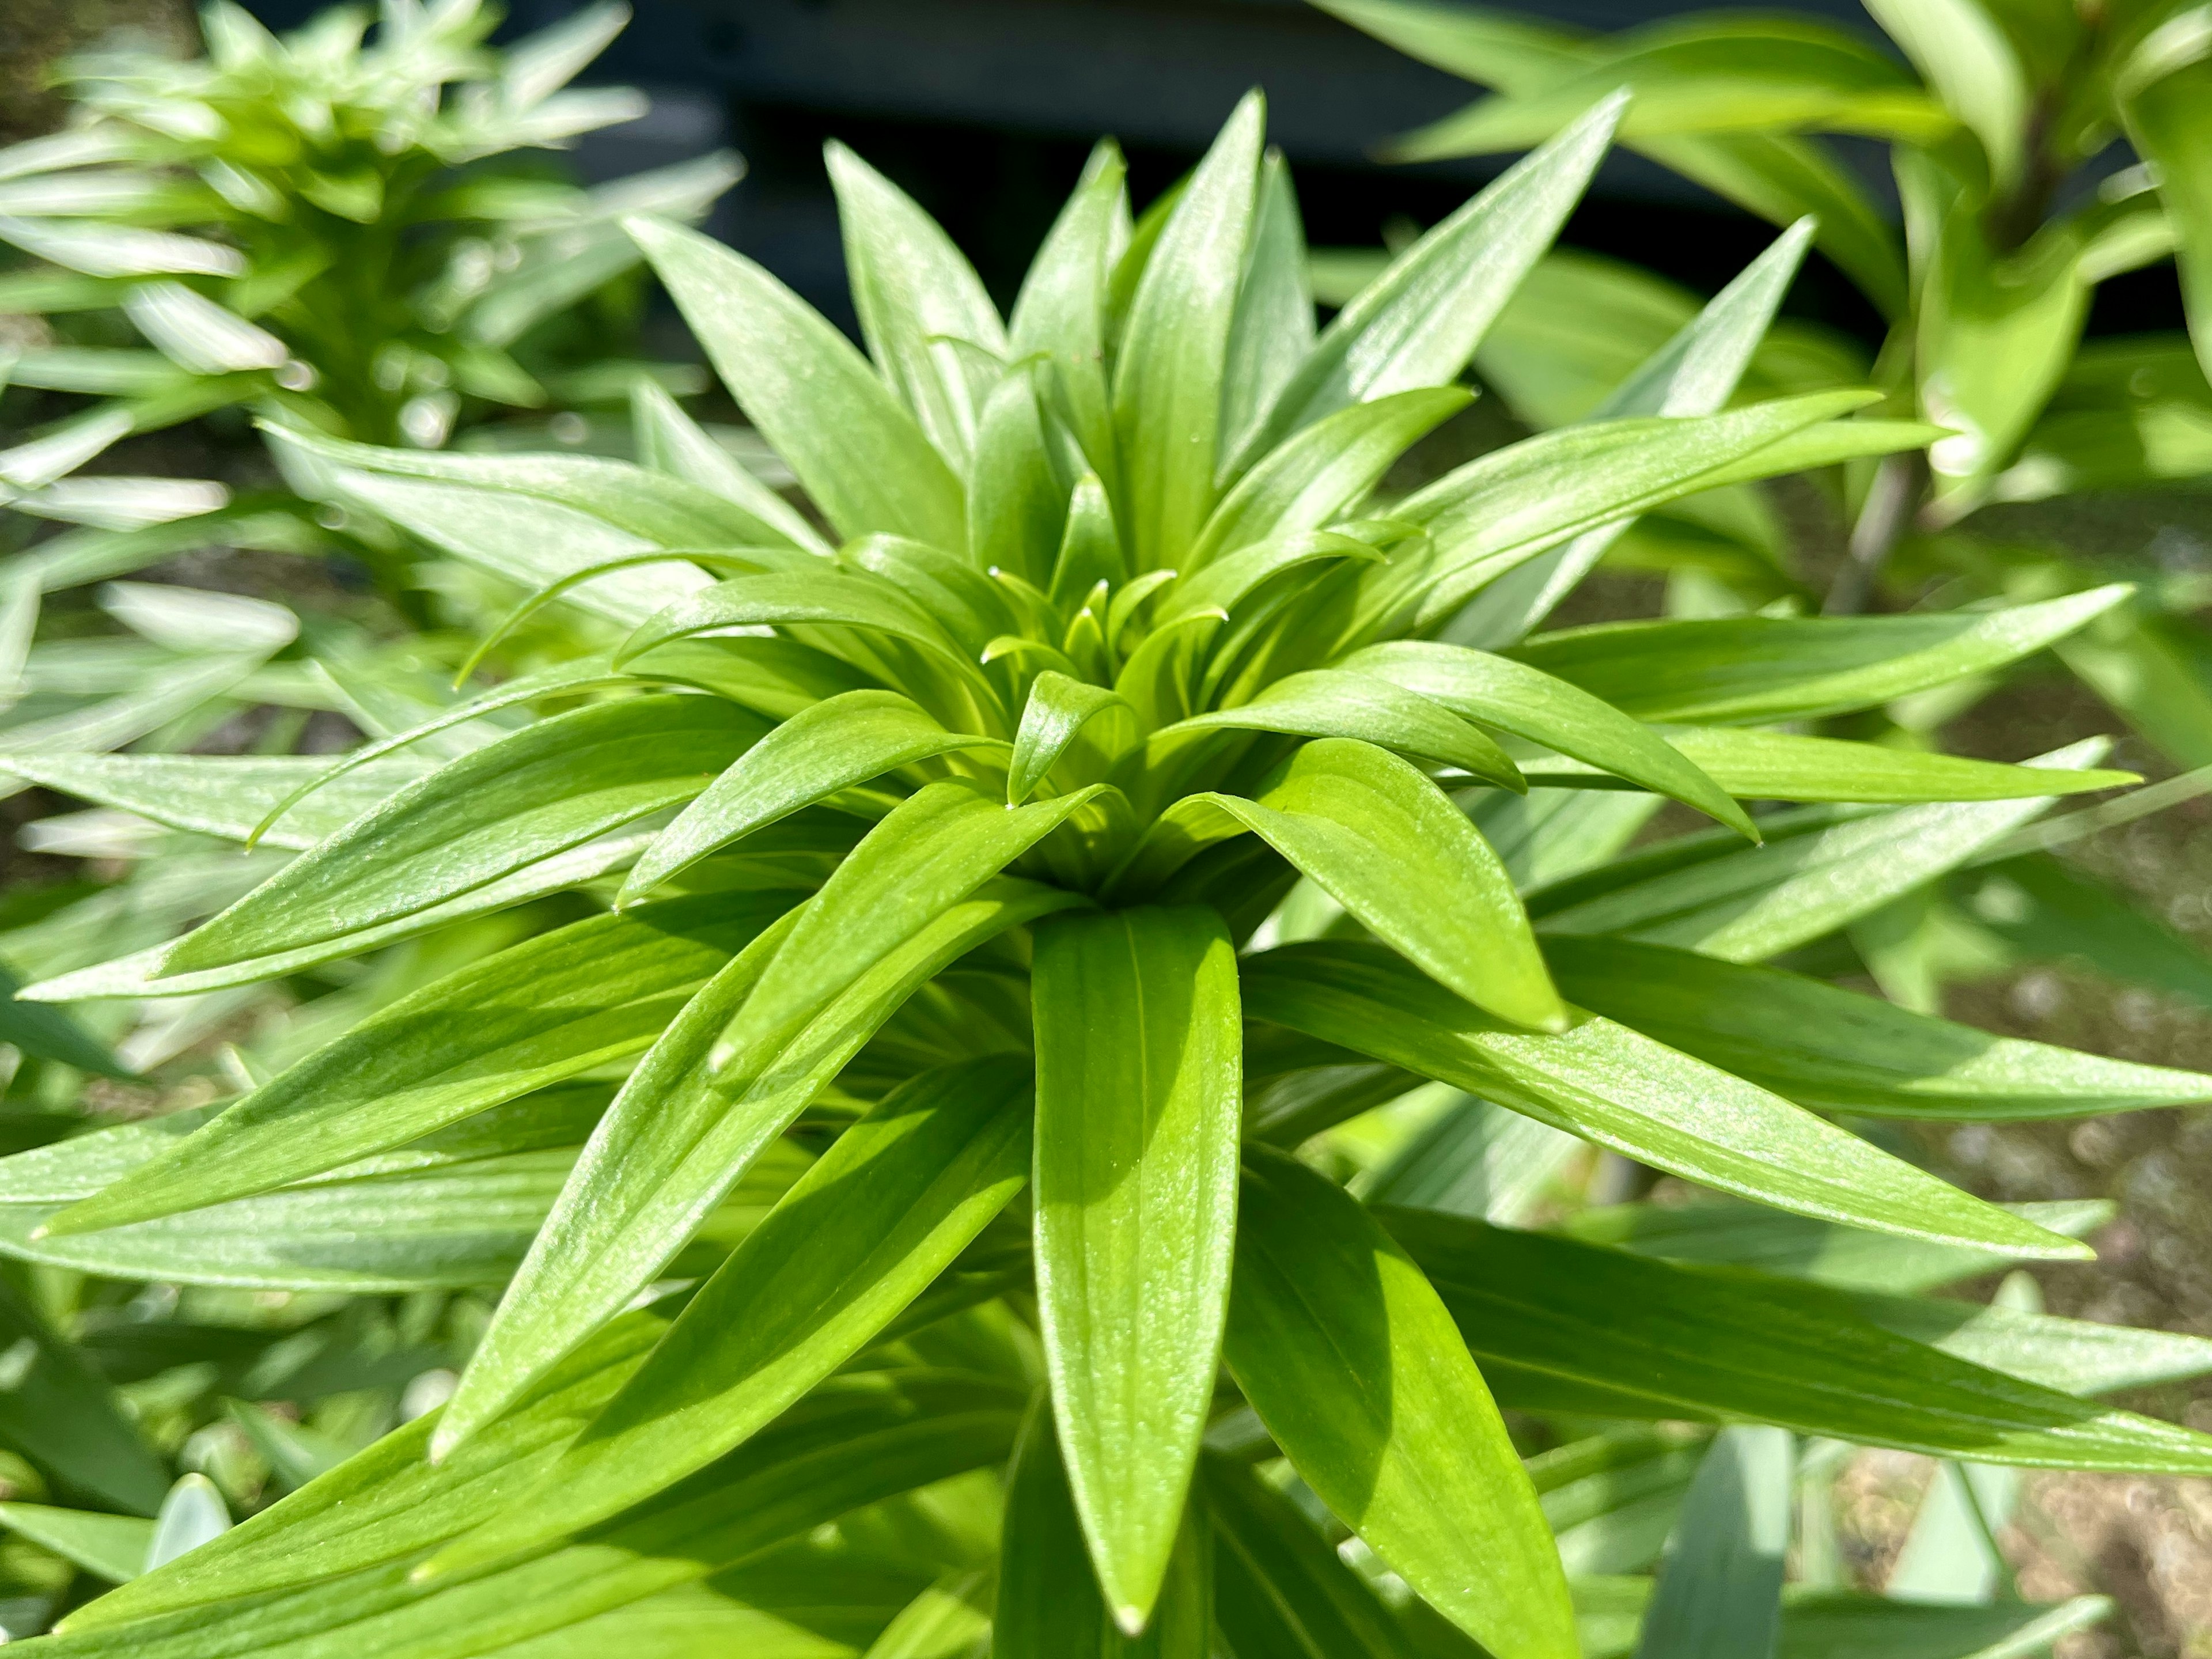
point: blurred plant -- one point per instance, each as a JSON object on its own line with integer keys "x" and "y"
{"x": 998, "y": 890}
{"x": 343, "y": 237}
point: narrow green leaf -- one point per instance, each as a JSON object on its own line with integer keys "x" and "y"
{"x": 1139, "y": 1096}
{"x": 1609, "y": 1085}
{"x": 1387, "y": 844}
{"x": 1495, "y": 512}
{"x": 389, "y": 1501}
{"x": 1280, "y": 1591}
{"x": 1062, "y": 309}
{"x": 1350, "y": 1361}
{"x": 1787, "y": 766}
{"x": 1816, "y": 872}
{"x": 1720, "y": 1589}
{"x": 772, "y": 1491}
{"x": 1695, "y": 372}
{"x": 110, "y": 1546}
{"x": 1553, "y": 1321}
{"x": 919, "y": 302}
{"x": 715, "y": 1092}
{"x": 860, "y": 1235}
{"x": 835, "y": 744}
{"x": 2074, "y": 1356}
{"x": 669, "y": 509}
{"x": 1418, "y": 323}
{"x": 670, "y": 441}
{"x": 861, "y": 457}
{"x": 58, "y": 1413}
{"x": 1793, "y": 1247}
{"x": 1016, "y": 504}
{"x": 1344, "y": 702}
{"x": 546, "y": 1009}
{"x": 1274, "y": 326}
{"x": 1531, "y": 704}
{"x": 552, "y": 786}
{"x": 1175, "y": 348}
{"x": 1746, "y": 669}
{"x": 140, "y": 973}
{"x": 1824, "y": 1046}
{"x": 2159, "y": 91}
{"x": 1053, "y": 719}
{"x": 1049, "y": 1604}
{"x": 1323, "y": 471}
{"x": 1958, "y": 45}
{"x": 442, "y": 1228}
{"x": 224, "y": 795}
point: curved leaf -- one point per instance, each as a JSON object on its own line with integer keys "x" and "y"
{"x": 1747, "y": 669}
{"x": 1350, "y": 1361}
{"x": 829, "y": 746}
{"x": 1822, "y": 1046}
{"x": 1534, "y": 705}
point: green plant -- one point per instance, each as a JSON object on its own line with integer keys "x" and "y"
{"x": 1997, "y": 122}
{"x": 343, "y": 237}
{"x": 2060, "y": 465}
{"x": 1035, "y": 882}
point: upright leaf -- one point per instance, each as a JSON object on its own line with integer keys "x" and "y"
{"x": 1418, "y": 323}
{"x": 1720, "y": 1590}
{"x": 1175, "y": 348}
{"x": 863, "y": 459}
{"x": 861, "y": 1234}
{"x": 920, "y": 302}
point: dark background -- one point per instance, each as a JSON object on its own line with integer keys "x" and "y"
{"x": 984, "y": 110}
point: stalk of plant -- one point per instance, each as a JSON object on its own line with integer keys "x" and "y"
{"x": 945, "y": 832}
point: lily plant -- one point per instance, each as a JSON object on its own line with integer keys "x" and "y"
{"x": 1019, "y": 852}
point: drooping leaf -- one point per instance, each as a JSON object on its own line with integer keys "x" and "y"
{"x": 1137, "y": 1106}
{"x": 1552, "y": 1322}
{"x": 1609, "y": 1085}
{"x": 1350, "y": 1360}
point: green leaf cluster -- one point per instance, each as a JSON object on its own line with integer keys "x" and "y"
{"x": 1002, "y": 1038}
